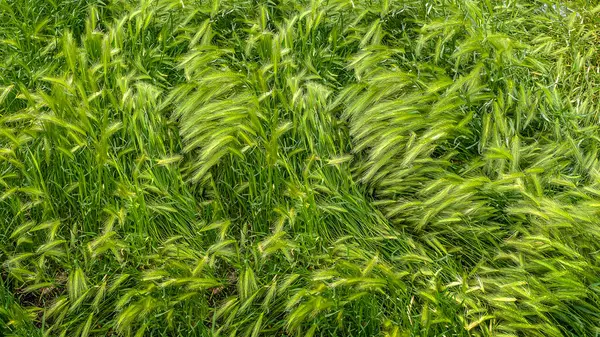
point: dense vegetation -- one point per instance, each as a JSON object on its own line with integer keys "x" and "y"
{"x": 299, "y": 168}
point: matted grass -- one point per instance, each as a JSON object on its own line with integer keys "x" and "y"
{"x": 299, "y": 168}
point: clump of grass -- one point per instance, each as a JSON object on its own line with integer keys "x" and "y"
{"x": 299, "y": 168}
{"x": 14, "y": 320}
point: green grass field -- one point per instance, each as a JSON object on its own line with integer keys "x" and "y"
{"x": 299, "y": 168}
